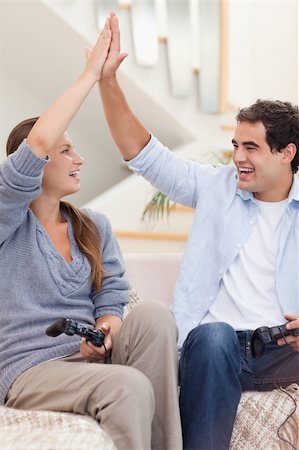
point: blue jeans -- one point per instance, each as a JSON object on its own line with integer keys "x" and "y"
{"x": 216, "y": 366}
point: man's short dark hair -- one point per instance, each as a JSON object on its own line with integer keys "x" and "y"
{"x": 281, "y": 120}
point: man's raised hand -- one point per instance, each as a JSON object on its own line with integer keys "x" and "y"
{"x": 115, "y": 57}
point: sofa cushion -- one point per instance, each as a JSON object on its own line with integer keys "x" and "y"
{"x": 259, "y": 416}
{"x": 44, "y": 430}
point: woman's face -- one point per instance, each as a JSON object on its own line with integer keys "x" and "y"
{"x": 62, "y": 173}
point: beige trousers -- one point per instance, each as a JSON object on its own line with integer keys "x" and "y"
{"x": 134, "y": 399}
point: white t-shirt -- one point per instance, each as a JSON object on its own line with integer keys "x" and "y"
{"x": 247, "y": 298}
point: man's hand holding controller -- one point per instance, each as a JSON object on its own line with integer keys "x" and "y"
{"x": 293, "y": 327}
{"x": 281, "y": 334}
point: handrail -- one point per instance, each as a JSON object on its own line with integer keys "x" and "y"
{"x": 175, "y": 207}
{"x": 151, "y": 235}
{"x": 181, "y": 208}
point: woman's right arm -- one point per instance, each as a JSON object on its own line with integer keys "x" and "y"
{"x": 55, "y": 120}
{"x": 21, "y": 173}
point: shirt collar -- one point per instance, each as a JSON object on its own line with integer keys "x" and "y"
{"x": 294, "y": 192}
{"x": 245, "y": 195}
{"x": 293, "y": 195}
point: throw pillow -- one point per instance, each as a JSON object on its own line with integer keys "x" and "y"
{"x": 134, "y": 300}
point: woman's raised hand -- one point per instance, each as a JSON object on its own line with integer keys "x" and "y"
{"x": 97, "y": 55}
{"x": 55, "y": 120}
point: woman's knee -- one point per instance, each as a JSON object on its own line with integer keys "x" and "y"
{"x": 133, "y": 384}
{"x": 137, "y": 384}
{"x": 152, "y": 308}
{"x": 153, "y": 314}
{"x": 127, "y": 389}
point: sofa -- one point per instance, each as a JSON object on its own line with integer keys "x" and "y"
{"x": 259, "y": 418}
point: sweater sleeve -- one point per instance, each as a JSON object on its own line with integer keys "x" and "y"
{"x": 20, "y": 183}
{"x": 114, "y": 293}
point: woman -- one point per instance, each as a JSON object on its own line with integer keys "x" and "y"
{"x": 57, "y": 261}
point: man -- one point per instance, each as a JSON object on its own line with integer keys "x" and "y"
{"x": 241, "y": 263}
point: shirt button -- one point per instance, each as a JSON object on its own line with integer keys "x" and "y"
{"x": 238, "y": 244}
{"x": 211, "y": 299}
{"x": 194, "y": 322}
{"x": 250, "y": 222}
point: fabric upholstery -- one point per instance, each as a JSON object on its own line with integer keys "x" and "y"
{"x": 44, "y": 430}
{"x": 259, "y": 416}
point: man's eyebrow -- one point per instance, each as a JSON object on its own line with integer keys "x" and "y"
{"x": 251, "y": 143}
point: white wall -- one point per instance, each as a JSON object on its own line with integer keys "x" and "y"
{"x": 263, "y": 51}
{"x": 12, "y": 112}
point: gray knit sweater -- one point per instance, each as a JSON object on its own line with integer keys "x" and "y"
{"x": 37, "y": 285}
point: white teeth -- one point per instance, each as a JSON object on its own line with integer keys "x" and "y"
{"x": 75, "y": 173}
{"x": 245, "y": 169}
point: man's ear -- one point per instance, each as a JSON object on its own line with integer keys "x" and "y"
{"x": 289, "y": 153}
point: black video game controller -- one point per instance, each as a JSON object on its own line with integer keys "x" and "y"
{"x": 265, "y": 335}
{"x": 71, "y": 327}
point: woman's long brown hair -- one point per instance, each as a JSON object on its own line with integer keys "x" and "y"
{"x": 85, "y": 231}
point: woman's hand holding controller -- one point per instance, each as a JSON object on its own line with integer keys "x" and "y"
{"x": 97, "y": 354}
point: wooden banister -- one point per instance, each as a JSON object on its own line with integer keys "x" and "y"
{"x": 151, "y": 235}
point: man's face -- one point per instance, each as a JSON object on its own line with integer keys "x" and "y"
{"x": 259, "y": 170}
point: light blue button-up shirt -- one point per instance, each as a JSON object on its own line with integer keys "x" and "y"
{"x": 224, "y": 217}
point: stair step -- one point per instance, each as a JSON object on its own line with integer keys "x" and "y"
{"x": 144, "y": 25}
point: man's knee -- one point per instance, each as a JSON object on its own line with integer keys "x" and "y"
{"x": 213, "y": 338}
